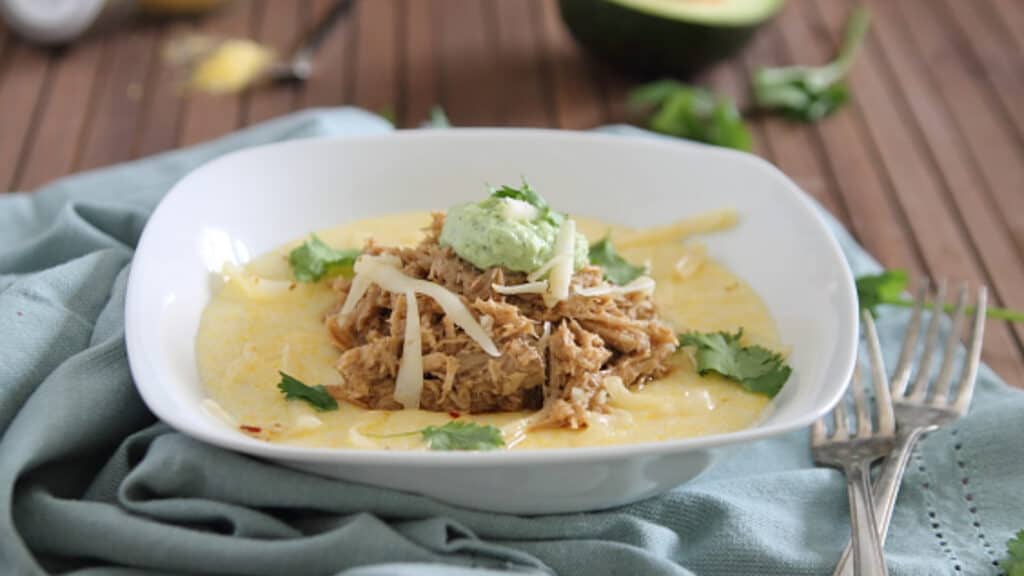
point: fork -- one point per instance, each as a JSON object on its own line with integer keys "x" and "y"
{"x": 917, "y": 411}
{"x": 855, "y": 453}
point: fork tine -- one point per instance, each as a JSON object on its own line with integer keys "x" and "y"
{"x": 883, "y": 400}
{"x": 940, "y": 393}
{"x": 842, "y": 430}
{"x": 931, "y": 338}
{"x": 902, "y": 375}
{"x": 818, "y": 430}
{"x": 860, "y": 405}
{"x": 970, "y": 372}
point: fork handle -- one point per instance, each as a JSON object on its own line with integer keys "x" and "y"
{"x": 886, "y": 488}
{"x": 867, "y": 546}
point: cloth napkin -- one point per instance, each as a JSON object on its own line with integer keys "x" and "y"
{"x": 92, "y": 483}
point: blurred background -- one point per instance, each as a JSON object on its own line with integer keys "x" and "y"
{"x": 919, "y": 152}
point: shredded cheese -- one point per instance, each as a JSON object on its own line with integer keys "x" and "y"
{"x": 409, "y": 383}
{"x": 621, "y": 396}
{"x": 641, "y": 284}
{"x": 211, "y": 407}
{"x": 254, "y": 287}
{"x": 561, "y": 272}
{"x": 538, "y": 287}
{"x": 544, "y": 269}
{"x": 709, "y": 222}
{"x": 384, "y": 272}
{"x": 692, "y": 260}
{"x": 517, "y": 210}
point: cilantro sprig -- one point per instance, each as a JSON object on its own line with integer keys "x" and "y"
{"x": 888, "y": 287}
{"x": 616, "y": 268}
{"x": 693, "y": 113}
{"x": 757, "y": 369}
{"x": 1013, "y": 564}
{"x": 315, "y": 396}
{"x": 456, "y": 435}
{"x": 525, "y": 193}
{"x": 315, "y": 260}
{"x": 810, "y": 93}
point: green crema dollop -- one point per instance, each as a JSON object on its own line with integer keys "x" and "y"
{"x": 513, "y": 228}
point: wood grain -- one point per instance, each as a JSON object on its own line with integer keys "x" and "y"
{"x": 576, "y": 92}
{"x": 116, "y": 113}
{"x": 471, "y": 85}
{"x": 65, "y": 109}
{"x": 210, "y": 115}
{"x": 376, "y": 72}
{"x": 925, "y": 166}
{"x": 330, "y": 83}
{"x": 21, "y": 85}
{"x": 280, "y": 24}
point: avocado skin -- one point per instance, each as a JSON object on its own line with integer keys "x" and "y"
{"x": 647, "y": 45}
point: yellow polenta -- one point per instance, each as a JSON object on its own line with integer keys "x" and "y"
{"x": 260, "y": 322}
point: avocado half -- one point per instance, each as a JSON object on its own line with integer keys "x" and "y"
{"x": 658, "y": 37}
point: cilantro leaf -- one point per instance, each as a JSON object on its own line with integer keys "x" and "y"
{"x": 693, "y": 113}
{"x": 438, "y": 118}
{"x": 524, "y": 193}
{"x": 1014, "y": 562}
{"x": 315, "y": 260}
{"x": 757, "y": 369}
{"x": 315, "y": 396}
{"x": 876, "y": 289}
{"x": 810, "y": 93}
{"x": 456, "y": 435}
{"x": 887, "y": 288}
{"x": 616, "y": 269}
{"x": 527, "y": 194}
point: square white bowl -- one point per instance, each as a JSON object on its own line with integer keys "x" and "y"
{"x": 249, "y": 202}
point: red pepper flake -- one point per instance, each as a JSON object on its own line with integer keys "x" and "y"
{"x": 251, "y": 429}
{"x": 454, "y": 414}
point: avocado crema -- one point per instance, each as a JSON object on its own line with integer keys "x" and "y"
{"x": 503, "y": 230}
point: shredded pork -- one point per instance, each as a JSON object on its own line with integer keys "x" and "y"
{"x": 561, "y": 373}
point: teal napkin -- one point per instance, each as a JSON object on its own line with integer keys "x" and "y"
{"x": 91, "y": 483}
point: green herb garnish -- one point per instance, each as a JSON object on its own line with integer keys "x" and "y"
{"x": 315, "y": 396}
{"x": 888, "y": 287}
{"x": 438, "y": 118}
{"x": 616, "y": 268}
{"x": 810, "y": 93}
{"x": 456, "y": 435}
{"x": 527, "y": 194}
{"x": 758, "y": 369}
{"x": 1013, "y": 564}
{"x": 315, "y": 260}
{"x": 693, "y": 113}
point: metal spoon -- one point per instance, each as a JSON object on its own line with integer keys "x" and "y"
{"x": 299, "y": 67}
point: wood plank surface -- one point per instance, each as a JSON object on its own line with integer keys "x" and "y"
{"x": 925, "y": 166}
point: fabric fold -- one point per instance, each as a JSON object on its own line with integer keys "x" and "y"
{"x": 91, "y": 483}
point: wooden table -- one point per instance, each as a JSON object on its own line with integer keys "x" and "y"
{"x": 926, "y": 167}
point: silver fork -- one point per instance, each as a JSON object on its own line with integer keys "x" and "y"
{"x": 855, "y": 453}
{"x": 918, "y": 411}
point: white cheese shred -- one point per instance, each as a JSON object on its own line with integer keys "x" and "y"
{"x": 409, "y": 383}
{"x": 641, "y": 284}
{"x": 702, "y": 224}
{"x": 561, "y": 272}
{"x": 384, "y": 272}
{"x": 538, "y": 287}
{"x": 544, "y": 269}
{"x": 217, "y": 411}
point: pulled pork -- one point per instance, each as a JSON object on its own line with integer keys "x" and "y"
{"x": 553, "y": 359}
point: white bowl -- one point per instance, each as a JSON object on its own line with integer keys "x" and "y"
{"x": 249, "y": 202}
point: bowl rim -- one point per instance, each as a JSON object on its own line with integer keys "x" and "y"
{"x": 147, "y": 377}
